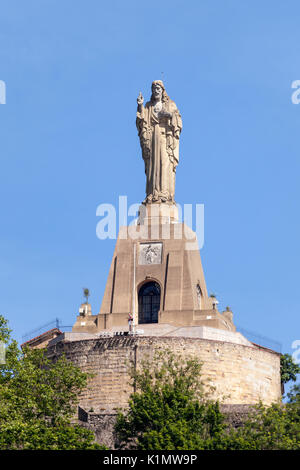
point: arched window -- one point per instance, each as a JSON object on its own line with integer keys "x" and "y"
{"x": 149, "y": 302}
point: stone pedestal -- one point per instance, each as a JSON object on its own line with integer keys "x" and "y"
{"x": 159, "y": 250}
{"x": 157, "y": 214}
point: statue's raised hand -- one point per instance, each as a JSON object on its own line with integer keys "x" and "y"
{"x": 140, "y": 99}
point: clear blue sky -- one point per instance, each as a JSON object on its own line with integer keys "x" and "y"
{"x": 68, "y": 142}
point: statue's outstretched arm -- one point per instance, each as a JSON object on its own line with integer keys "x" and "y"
{"x": 140, "y": 101}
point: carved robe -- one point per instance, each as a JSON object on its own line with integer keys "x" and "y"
{"x": 159, "y": 139}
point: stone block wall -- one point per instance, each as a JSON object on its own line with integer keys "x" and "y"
{"x": 240, "y": 374}
{"x": 103, "y": 425}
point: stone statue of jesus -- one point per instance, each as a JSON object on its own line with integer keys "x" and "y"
{"x": 159, "y": 125}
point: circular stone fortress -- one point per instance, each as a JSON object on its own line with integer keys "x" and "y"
{"x": 156, "y": 296}
{"x": 241, "y": 373}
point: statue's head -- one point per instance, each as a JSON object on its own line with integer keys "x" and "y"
{"x": 158, "y": 91}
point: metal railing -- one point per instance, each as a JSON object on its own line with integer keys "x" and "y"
{"x": 250, "y": 335}
{"x": 259, "y": 339}
{"x": 56, "y": 323}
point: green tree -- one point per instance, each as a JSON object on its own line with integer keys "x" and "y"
{"x": 4, "y": 330}
{"x": 294, "y": 394}
{"x": 276, "y": 427}
{"x": 38, "y": 398}
{"x": 169, "y": 409}
{"x": 288, "y": 368}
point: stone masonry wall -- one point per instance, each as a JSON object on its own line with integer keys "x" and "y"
{"x": 103, "y": 425}
{"x": 240, "y": 374}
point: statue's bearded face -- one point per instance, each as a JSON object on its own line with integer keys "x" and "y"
{"x": 157, "y": 91}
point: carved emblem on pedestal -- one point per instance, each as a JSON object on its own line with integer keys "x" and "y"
{"x": 150, "y": 253}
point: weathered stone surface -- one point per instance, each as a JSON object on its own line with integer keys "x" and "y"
{"x": 176, "y": 268}
{"x": 159, "y": 125}
{"x": 236, "y": 415}
{"x": 103, "y": 424}
{"x": 240, "y": 374}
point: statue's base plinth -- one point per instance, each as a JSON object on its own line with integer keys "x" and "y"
{"x": 157, "y": 213}
{"x": 164, "y": 258}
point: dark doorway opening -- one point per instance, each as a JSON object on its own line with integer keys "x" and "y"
{"x": 149, "y": 302}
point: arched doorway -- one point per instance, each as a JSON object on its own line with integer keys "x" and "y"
{"x": 149, "y": 302}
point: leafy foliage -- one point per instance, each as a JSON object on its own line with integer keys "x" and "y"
{"x": 36, "y": 435}
{"x": 288, "y": 368}
{"x": 169, "y": 410}
{"x": 4, "y": 330}
{"x": 86, "y": 294}
{"x": 38, "y": 399}
{"x": 294, "y": 394}
{"x": 276, "y": 427}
